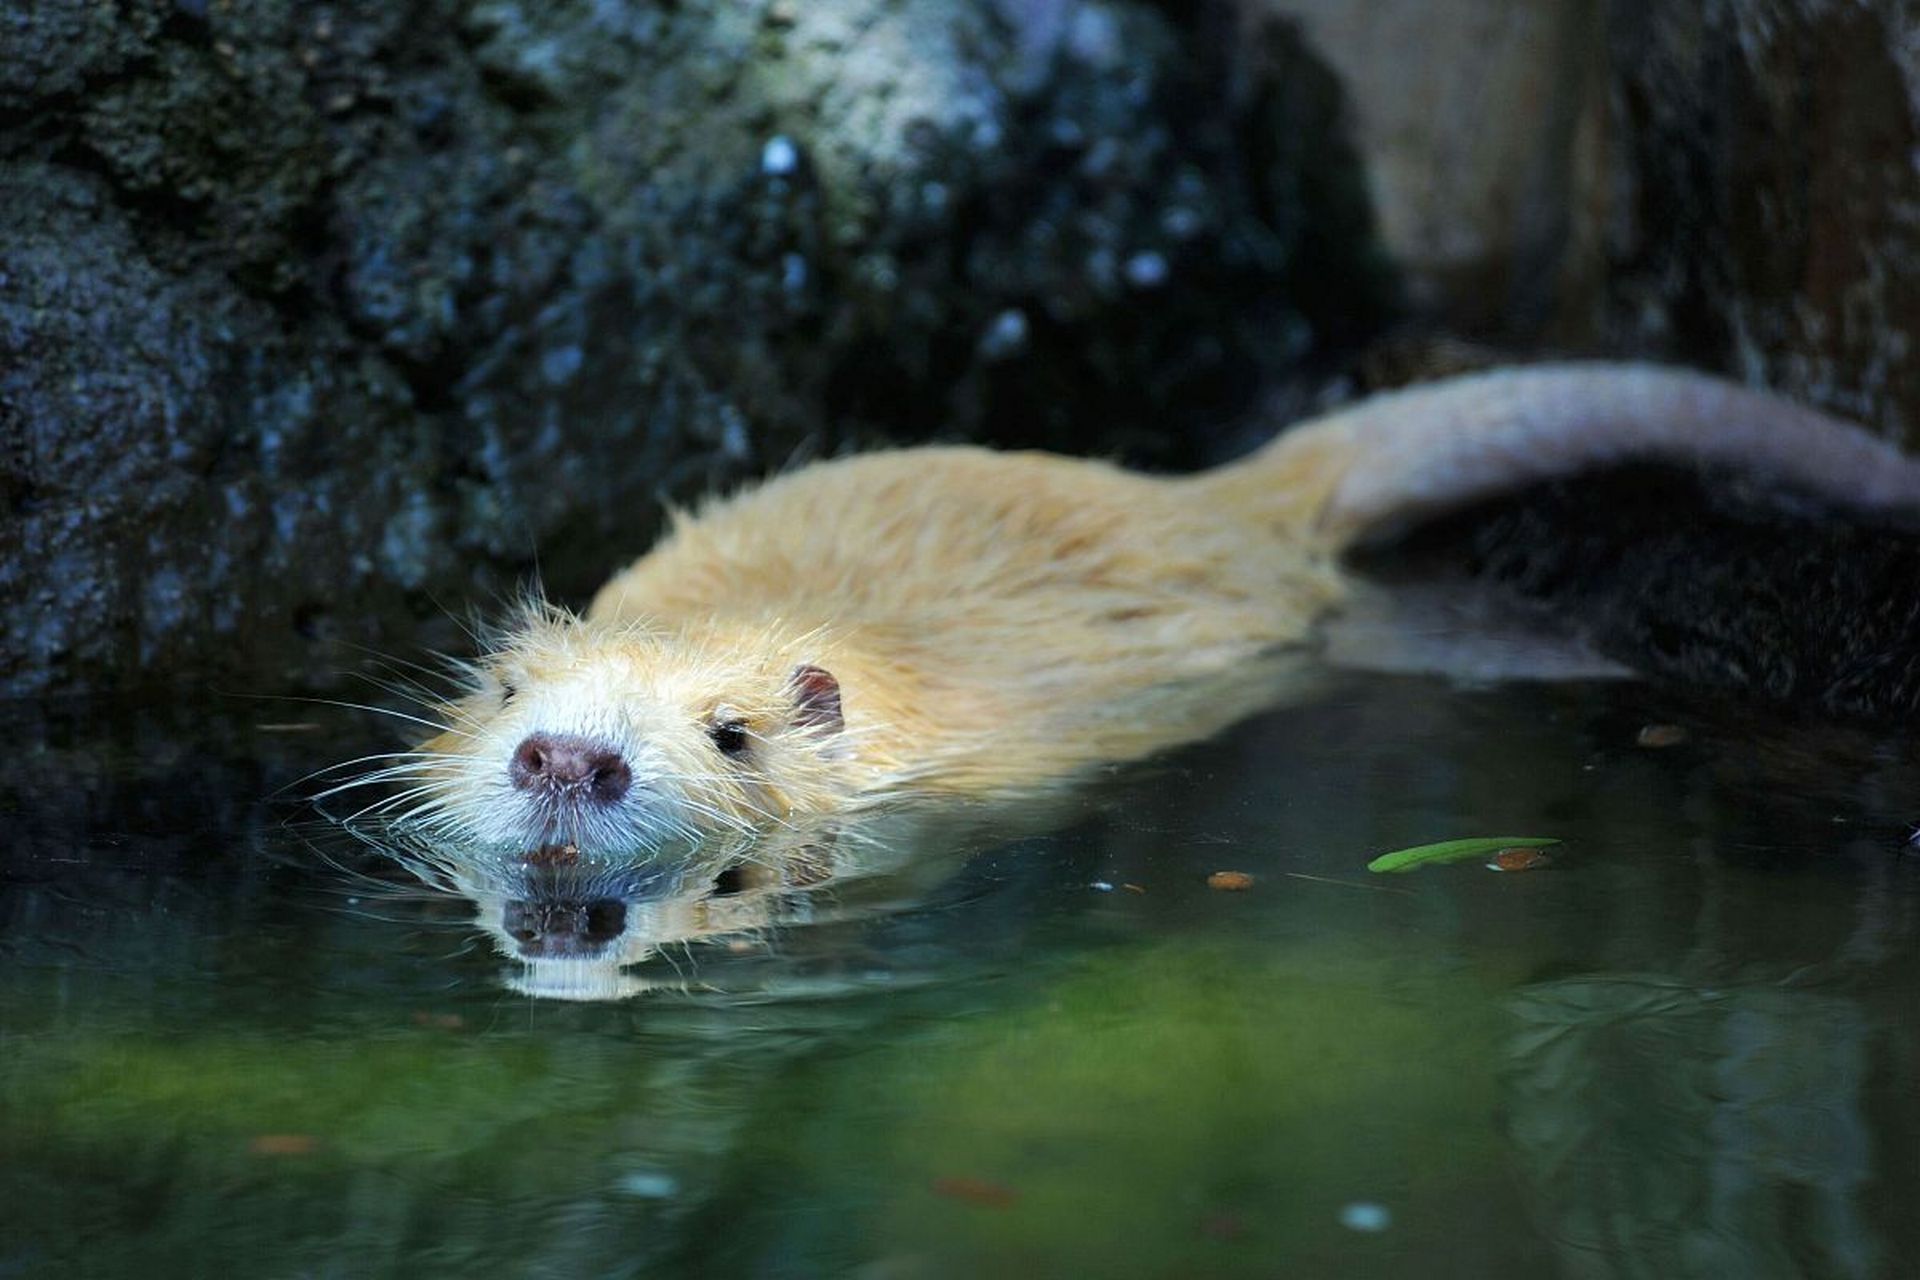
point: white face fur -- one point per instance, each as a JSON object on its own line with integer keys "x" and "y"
{"x": 615, "y": 741}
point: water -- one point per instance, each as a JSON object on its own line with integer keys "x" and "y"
{"x": 232, "y": 1043}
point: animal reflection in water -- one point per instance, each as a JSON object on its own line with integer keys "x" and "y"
{"x": 597, "y": 926}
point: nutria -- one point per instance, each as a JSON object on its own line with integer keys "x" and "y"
{"x": 957, "y": 622}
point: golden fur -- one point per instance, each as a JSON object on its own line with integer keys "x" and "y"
{"x": 1001, "y": 622}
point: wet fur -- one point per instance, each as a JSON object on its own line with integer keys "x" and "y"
{"x": 1001, "y": 623}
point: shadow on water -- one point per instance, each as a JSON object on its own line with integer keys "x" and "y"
{"x": 236, "y": 1041}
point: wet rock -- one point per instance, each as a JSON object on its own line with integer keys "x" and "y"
{"x": 1774, "y": 213}
{"x": 1478, "y": 124}
{"x": 311, "y": 317}
{"x": 1730, "y": 184}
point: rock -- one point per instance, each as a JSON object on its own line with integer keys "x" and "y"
{"x": 1730, "y": 184}
{"x": 1773, "y": 220}
{"x": 1477, "y": 123}
{"x": 312, "y": 318}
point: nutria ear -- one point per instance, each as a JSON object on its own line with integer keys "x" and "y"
{"x": 816, "y": 697}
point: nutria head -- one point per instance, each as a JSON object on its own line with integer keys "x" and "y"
{"x": 621, "y": 738}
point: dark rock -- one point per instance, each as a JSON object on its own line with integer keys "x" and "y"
{"x": 311, "y": 316}
{"x": 1773, "y": 225}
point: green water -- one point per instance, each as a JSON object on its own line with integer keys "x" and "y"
{"x": 231, "y": 1045}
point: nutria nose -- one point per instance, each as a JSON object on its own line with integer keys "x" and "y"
{"x": 563, "y": 763}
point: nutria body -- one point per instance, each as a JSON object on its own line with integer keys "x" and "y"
{"x": 953, "y": 621}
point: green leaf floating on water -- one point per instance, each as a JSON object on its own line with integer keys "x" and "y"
{"x": 1453, "y": 851}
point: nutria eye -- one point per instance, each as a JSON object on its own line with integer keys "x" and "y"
{"x": 730, "y": 736}
{"x": 506, "y": 693}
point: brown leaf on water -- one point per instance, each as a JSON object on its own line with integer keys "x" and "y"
{"x": 1230, "y": 881}
{"x": 988, "y": 1195}
{"x": 283, "y": 1144}
{"x": 1660, "y": 735}
{"x": 1519, "y": 858}
{"x": 1223, "y": 1226}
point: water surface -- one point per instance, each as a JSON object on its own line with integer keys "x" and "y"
{"x": 232, "y": 1043}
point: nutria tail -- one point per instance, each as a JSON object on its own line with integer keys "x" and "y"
{"x": 1395, "y": 460}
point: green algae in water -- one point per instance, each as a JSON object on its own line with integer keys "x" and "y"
{"x": 1445, "y": 851}
{"x": 213, "y": 1063}
{"x": 1201, "y": 1106}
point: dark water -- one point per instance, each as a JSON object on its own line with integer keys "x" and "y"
{"x": 233, "y": 1044}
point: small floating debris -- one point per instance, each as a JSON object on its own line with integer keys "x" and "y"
{"x": 438, "y": 1021}
{"x": 1518, "y": 858}
{"x": 1102, "y": 886}
{"x": 283, "y": 1144}
{"x": 1230, "y": 881}
{"x": 1660, "y": 735}
{"x": 1223, "y": 1226}
{"x": 1365, "y": 1215}
{"x": 1454, "y": 851}
{"x": 988, "y": 1195}
{"x": 1134, "y": 888}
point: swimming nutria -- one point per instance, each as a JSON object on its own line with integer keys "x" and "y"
{"x": 954, "y": 621}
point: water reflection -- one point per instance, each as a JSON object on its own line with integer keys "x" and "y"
{"x": 1687, "y": 1048}
{"x": 1671, "y": 1129}
{"x": 582, "y": 925}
